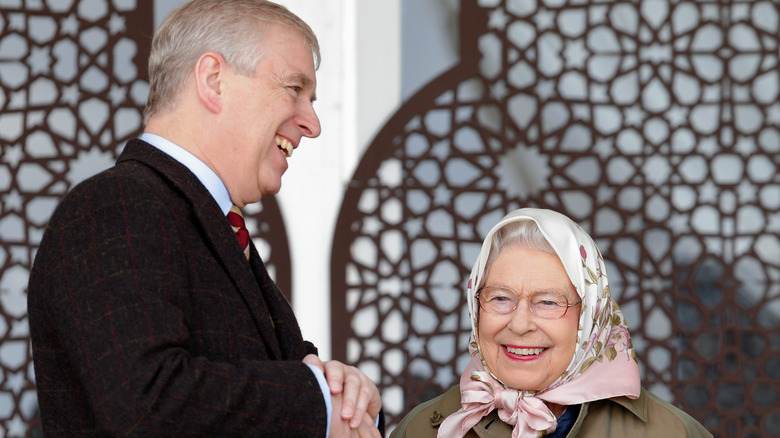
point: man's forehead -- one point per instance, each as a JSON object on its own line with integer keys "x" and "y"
{"x": 303, "y": 78}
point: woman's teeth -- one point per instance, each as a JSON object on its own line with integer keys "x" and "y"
{"x": 285, "y": 146}
{"x": 525, "y": 351}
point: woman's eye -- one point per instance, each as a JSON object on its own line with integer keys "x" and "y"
{"x": 549, "y": 302}
{"x": 501, "y": 299}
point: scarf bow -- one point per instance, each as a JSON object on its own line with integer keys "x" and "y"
{"x": 480, "y": 394}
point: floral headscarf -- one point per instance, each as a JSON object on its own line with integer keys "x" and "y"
{"x": 604, "y": 363}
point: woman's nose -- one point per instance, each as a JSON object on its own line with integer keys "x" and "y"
{"x": 522, "y": 320}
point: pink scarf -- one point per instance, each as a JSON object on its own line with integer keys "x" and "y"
{"x": 604, "y": 364}
{"x": 480, "y": 394}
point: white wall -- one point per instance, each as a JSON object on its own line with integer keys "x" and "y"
{"x": 358, "y": 88}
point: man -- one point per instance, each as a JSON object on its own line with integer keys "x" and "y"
{"x": 146, "y": 317}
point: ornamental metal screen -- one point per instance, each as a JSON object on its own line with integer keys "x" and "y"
{"x": 654, "y": 124}
{"x": 73, "y": 85}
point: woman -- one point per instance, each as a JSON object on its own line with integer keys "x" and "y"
{"x": 551, "y": 353}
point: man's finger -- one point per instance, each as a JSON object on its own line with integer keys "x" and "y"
{"x": 335, "y": 374}
{"x": 365, "y": 395}
{"x": 312, "y": 359}
{"x": 352, "y": 384}
{"x": 367, "y": 428}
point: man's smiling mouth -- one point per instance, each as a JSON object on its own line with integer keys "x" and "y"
{"x": 284, "y": 145}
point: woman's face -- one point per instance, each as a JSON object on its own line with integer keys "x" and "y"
{"x": 525, "y": 351}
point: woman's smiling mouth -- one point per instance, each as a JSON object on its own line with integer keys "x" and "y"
{"x": 528, "y": 352}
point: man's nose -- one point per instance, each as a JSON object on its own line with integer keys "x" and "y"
{"x": 309, "y": 123}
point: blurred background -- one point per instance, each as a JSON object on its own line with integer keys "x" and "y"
{"x": 653, "y": 123}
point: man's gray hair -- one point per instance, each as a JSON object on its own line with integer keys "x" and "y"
{"x": 232, "y": 28}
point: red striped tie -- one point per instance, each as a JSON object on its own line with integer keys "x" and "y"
{"x": 236, "y": 220}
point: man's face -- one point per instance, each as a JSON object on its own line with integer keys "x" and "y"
{"x": 267, "y": 115}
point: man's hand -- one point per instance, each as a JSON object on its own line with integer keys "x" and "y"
{"x": 341, "y": 428}
{"x": 358, "y": 395}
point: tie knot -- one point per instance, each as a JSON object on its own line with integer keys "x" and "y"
{"x": 235, "y": 217}
{"x": 236, "y": 220}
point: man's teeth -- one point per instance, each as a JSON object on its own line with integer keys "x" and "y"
{"x": 285, "y": 146}
{"x": 525, "y": 351}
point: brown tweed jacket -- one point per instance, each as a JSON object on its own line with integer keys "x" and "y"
{"x": 147, "y": 320}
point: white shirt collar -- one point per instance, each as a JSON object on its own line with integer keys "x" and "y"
{"x": 204, "y": 173}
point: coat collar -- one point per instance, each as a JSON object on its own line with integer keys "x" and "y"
{"x": 492, "y": 427}
{"x": 216, "y": 231}
{"x": 638, "y": 406}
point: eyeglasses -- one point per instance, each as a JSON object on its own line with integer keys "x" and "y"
{"x": 500, "y": 300}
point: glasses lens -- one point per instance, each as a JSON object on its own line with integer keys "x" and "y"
{"x": 497, "y": 300}
{"x": 549, "y": 304}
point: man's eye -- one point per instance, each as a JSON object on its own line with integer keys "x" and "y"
{"x": 295, "y": 88}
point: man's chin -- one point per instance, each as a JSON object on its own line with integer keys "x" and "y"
{"x": 270, "y": 191}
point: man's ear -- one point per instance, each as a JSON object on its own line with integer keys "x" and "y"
{"x": 209, "y": 73}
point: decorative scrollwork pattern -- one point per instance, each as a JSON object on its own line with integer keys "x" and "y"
{"x": 653, "y": 124}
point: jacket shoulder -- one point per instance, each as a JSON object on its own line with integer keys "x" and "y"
{"x": 660, "y": 410}
{"x": 142, "y": 174}
{"x": 647, "y": 416}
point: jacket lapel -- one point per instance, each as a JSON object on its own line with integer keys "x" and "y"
{"x": 217, "y": 233}
{"x": 288, "y": 332}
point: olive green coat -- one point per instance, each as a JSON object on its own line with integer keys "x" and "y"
{"x": 647, "y": 416}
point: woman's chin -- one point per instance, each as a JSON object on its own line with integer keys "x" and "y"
{"x": 524, "y": 381}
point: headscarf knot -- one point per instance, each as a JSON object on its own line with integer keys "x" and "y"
{"x": 480, "y": 394}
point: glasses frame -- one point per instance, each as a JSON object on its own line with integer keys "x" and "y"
{"x": 530, "y": 308}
